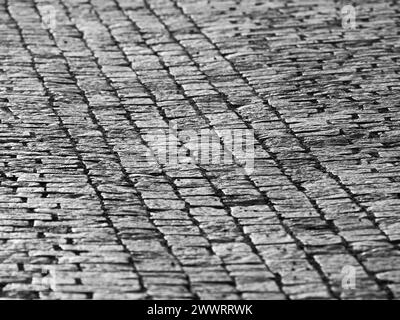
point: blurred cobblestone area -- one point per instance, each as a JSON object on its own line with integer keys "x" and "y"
{"x": 89, "y": 211}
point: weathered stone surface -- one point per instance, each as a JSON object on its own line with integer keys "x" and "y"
{"x": 93, "y": 92}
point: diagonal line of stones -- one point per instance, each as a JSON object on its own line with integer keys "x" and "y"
{"x": 125, "y": 174}
{"x": 204, "y": 173}
{"x": 318, "y": 164}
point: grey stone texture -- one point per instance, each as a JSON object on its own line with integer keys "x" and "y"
{"x": 89, "y": 209}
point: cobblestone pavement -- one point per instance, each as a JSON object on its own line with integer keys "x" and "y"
{"x": 88, "y": 207}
